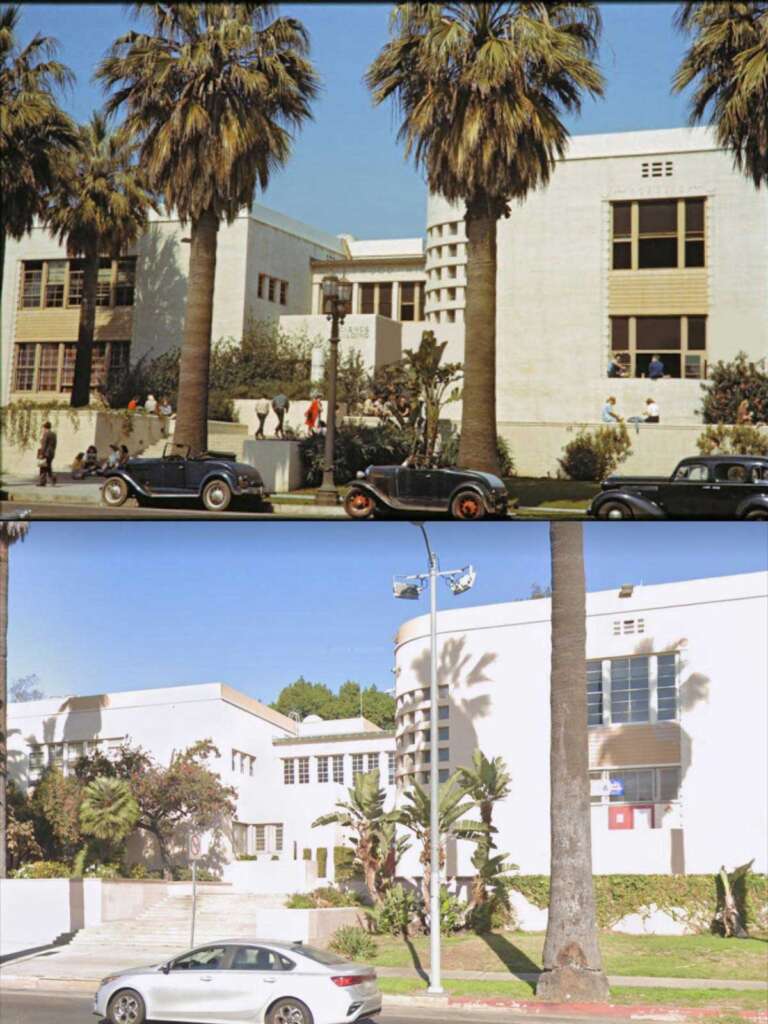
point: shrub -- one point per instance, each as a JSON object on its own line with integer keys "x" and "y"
{"x": 141, "y": 871}
{"x": 353, "y": 942}
{"x": 102, "y": 871}
{"x": 300, "y": 901}
{"x": 181, "y": 874}
{"x": 221, "y": 407}
{"x": 325, "y": 896}
{"x": 396, "y": 912}
{"x": 345, "y": 869}
{"x": 449, "y": 453}
{"x": 357, "y": 447}
{"x": 728, "y": 385}
{"x": 43, "y": 869}
{"x": 594, "y": 456}
{"x": 737, "y": 440}
{"x": 322, "y": 862}
{"x": 452, "y": 912}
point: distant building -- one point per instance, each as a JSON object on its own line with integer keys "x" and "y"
{"x": 677, "y": 737}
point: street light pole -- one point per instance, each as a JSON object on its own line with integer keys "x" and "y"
{"x": 410, "y": 587}
{"x": 337, "y": 301}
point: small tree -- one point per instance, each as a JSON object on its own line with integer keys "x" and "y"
{"x": 363, "y": 815}
{"x": 108, "y": 812}
{"x": 56, "y": 802}
{"x": 729, "y": 384}
{"x": 594, "y": 456}
{"x": 737, "y": 440}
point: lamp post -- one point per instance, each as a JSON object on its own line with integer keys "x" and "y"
{"x": 410, "y": 588}
{"x": 337, "y": 303}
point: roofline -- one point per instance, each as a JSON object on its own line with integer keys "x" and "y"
{"x": 358, "y": 261}
{"x": 334, "y": 737}
{"x": 255, "y": 707}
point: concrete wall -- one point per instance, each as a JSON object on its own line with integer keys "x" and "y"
{"x": 268, "y": 876}
{"x": 376, "y": 338}
{"x": 279, "y": 463}
{"x": 36, "y": 911}
{"x": 75, "y": 431}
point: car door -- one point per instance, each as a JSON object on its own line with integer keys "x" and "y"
{"x": 174, "y": 475}
{"x": 147, "y": 472}
{"x": 418, "y": 488}
{"x": 256, "y": 977}
{"x": 731, "y": 485}
{"x": 688, "y": 494}
{"x": 191, "y": 990}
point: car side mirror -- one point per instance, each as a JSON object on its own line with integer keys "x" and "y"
{"x": 166, "y": 968}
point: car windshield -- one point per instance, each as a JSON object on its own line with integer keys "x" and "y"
{"x": 322, "y": 956}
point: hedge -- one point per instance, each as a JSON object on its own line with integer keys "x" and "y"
{"x": 322, "y": 862}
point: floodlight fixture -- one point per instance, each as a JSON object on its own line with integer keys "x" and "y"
{"x": 462, "y": 582}
{"x": 407, "y": 590}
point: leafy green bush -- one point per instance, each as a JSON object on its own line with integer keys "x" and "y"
{"x": 325, "y": 896}
{"x": 353, "y": 942}
{"x": 594, "y": 456}
{"x": 736, "y": 440}
{"x": 396, "y": 912}
{"x": 357, "y": 447}
{"x": 300, "y": 901}
{"x": 306, "y": 854}
{"x": 452, "y": 912}
{"x": 141, "y": 872}
{"x": 43, "y": 869}
{"x": 345, "y": 869}
{"x": 221, "y": 407}
{"x": 449, "y": 453}
{"x": 728, "y": 385}
{"x": 102, "y": 871}
{"x": 182, "y": 874}
{"x": 322, "y": 862}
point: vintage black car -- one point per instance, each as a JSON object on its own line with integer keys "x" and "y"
{"x": 464, "y": 493}
{"x": 212, "y": 477}
{"x": 702, "y": 487}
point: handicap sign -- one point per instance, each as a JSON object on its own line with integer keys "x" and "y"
{"x": 616, "y": 787}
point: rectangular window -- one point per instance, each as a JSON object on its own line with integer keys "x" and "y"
{"x": 385, "y": 300}
{"x": 99, "y": 364}
{"x": 56, "y": 755}
{"x": 260, "y": 838}
{"x": 271, "y": 290}
{"x": 619, "y": 333}
{"x": 658, "y": 333}
{"x": 391, "y": 762}
{"x": 75, "y": 294}
{"x": 119, "y": 358}
{"x": 372, "y": 763}
{"x": 68, "y": 367}
{"x": 629, "y": 690}
{"x": 442, "y": 733}
{"x": 278, "y": 838}
{"x": 407, "y": 300}
{"x": 54, "y": 288}
{"x": 104, "y": 283}
{"x": 657, "y": 244}
{"x": 636, "y": 339}
{"x": 240, "y": 837}
{"x": 303, "y": 770}
{"x": 666, "y": 687}
{"x": 48, "y": 369}
{"x": 262, "y": 292}
{"x": 283, "y": 293}
{"x": 322, "y": 769}
{"x": 338, "y": 768}
{"x": 36, "y": 759}
{"x": 697, "y": 333}
{"x": 443, "y": 754}
{"x": 638, "y": 786}
{"x": 669, "y": 784}
{"x": 31, "y": 290}
{"x": 357, "y": 765}
{"x": 75, "y": 751}
{"x": 288, "y": 772}
{"x": 694, "y": 233}
{"x": 367, "y": 298}
{"x": 442, "y": 775}
{"x": 622, "y": 231}
{"x": 24, "y": 373}
{"x": 126, "y": 281}
{"x": 443, "y": 713}
{"x": 594, "y": 693}
{"x": 251, "y": 765}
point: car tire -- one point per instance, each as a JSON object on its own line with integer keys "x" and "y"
{"x": 126, "y": 1007}
{"x": 614, "y": 510}
{"x": 358, "y": 504}
{"x": 757, "y": 514}
{"x": 217, "y": 495}
{"x": 288, "y": 1011}
{"x": 115, "y": 491}
{"x": 467, "y": 505}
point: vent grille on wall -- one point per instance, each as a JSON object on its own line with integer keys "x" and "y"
{"x": 657, "y": 169}
{"x": 628, "y": 627}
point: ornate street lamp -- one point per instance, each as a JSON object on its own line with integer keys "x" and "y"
{"x": 337, "y": 303}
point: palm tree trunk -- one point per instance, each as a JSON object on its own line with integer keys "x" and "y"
{"x": 572, "y": 962}
{"x": 477, "y": 448}
{"x": 192, "y": 414}
{"x": 81, "y": 386}
{"x": 3, "y": 701}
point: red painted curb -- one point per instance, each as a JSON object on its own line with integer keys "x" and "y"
{"x": 611, "y": 1009}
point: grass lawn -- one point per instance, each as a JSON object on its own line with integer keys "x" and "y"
{"x": 654, "y": 956}
{"x": 619, "y": 994}
{"x": 565, "y": 494}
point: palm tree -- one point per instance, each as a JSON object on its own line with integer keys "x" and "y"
{"x": 480, "y": 88}
{"x": 99, "y": 206}
{"x": 572, "y": 961}
{"x": 453, "y": 807}
{"x": 363, "y": 815}
{"x": 34, "y": 132}
{"x": 10, "y": 534}
{"x": 728, "y": 63}
{"x": 108, "y": 811}
{"x": 486, "y": 782}
{"x": 210, "y": 97}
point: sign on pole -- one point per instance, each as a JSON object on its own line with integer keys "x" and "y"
{"x": 195, "y": 846}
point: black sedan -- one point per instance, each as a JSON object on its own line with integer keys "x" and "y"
{"x": 214, "y": 478}
{"x": 462, "y": 493}
{"x": 703, "y": 487}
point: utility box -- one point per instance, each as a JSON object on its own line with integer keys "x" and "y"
{"x": 621, "y": 817}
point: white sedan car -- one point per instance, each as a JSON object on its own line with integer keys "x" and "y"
{"x": 243, "y": 981}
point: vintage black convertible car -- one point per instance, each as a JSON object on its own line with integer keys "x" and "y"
{"x": 703, "y": 487}
{"x": 464, "y": 493}
{"x": 212, "y": 477}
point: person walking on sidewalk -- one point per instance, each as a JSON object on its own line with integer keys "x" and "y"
{"x": 45, "y": 455}
{"x": 281, "y": 405}
{"x": 262, "y": 411}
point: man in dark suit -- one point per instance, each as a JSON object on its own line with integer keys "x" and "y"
{"x": 45, "y": 455}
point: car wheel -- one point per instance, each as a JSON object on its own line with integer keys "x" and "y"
{"x": 614, "y": 510}
{"x": 467, "y": 505}
{"x": 114, "y": 492}
{"x": 757, "y": 513}
{"x": 126, "y": 1007}
{"x": 289, "y": 1011}
{"x": 217, "y": 496}
{"x": 359, "y": 504}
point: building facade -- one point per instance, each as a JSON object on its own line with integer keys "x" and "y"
{"x": 677, "y": 696}
{"x": 643, "y": 243}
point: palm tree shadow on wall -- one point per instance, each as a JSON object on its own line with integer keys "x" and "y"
{"x": 161, "y": 294}
{"x": 692, "y": 690}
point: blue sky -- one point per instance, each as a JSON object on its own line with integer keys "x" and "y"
{"x": 348, "y": 173}
{"x": 113, "y": 606}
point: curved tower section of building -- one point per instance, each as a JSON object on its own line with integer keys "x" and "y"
{"x": 446, "y": 261}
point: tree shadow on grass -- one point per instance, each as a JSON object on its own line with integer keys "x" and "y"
{"x": 416, "y": 961}
{"x": 513, "y": 958}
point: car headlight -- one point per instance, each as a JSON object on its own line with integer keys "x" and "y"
{"x": 247, "y": 481}
{"x": 360, "y": 474}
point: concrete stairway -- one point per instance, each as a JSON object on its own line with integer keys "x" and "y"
{"x": 164, "y": 928}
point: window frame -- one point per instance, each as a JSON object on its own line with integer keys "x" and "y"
{"x": 608, "y": 712}
{"x": 682, "y": 235}
{"x": 630, "y": 354}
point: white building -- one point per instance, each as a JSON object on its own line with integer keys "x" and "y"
{"x": 677, "y": 696}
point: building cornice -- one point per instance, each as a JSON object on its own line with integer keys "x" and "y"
{"x": 334, "y": 738}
